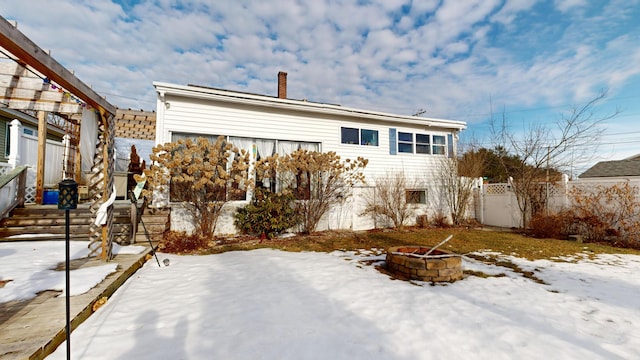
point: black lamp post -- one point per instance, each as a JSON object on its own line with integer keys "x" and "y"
{"x": 67, "y": 199}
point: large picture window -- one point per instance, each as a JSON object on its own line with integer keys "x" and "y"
{"x": 258, "y": 149}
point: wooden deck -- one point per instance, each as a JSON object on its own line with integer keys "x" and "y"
{"x": 34, "y": 328}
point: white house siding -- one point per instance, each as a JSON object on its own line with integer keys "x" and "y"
{"x": 264, "y": 118}
{"x": 200, "y": 117}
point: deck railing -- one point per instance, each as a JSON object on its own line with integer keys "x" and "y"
{"x": 12, "y": 189}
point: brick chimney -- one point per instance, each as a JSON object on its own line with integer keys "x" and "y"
{"x": 282, "y": 85}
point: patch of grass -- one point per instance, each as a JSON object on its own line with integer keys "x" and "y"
{"x": 481, "y": 274}
{"x": 509, "y": 265}
{"x": 464, "y": 241}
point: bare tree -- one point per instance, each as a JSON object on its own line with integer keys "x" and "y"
{"x": 456, "y": 177}
{"x": 388, "y": 199}
{"x": 542, "y": 148}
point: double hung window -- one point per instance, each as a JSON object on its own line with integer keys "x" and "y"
{"x": 405, "y": 142}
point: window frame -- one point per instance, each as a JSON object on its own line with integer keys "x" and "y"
{"x": 354, "y": 141}
{"x": 405, "y": 142}
{"x": 442, "y": 147}
{"x": 423, "y": 145}
{"x": 375, "y": 139}
{"x": 359, "y": 138}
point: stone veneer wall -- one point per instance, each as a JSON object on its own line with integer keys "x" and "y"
{"x": 444, "y": 269}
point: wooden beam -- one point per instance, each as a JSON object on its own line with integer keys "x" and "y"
{"x": 26, "y": 50}
{"x": 56, "y": 107}
{"x": 36, "y": 95}
{"x": 17, "y": 83}
{"x": 42, "y": 147}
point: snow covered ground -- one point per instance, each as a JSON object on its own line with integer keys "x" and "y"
{"x": 269, "y": 304}
{"x": 28, "y": 268}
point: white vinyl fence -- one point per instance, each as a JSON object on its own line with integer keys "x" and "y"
{"x": 7, "y": 193}
{"x": 24, "y": 151}
{"x": 496, "y": 204}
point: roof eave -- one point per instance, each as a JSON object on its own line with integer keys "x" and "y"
{"x": 300, "y": 105}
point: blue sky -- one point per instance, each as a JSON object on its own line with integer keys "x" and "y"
{"x": 527, "y": 60}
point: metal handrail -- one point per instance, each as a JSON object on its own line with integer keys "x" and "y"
{"x": 20, "y": 172}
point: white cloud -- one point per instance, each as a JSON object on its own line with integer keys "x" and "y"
{"x": 510, "y": 10}
{"x": 447, "y": 56}
{"x": 566, "y": 5}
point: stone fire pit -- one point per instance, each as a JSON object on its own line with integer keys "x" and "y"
{"x": 410, "y": 262}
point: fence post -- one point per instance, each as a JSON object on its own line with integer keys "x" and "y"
{"x": 565, "y": 191}
{"x": 15, "y": 143}
{"x": 480, "y": 190}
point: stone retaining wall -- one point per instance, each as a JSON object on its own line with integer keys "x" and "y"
{"x": 443, "y": 269}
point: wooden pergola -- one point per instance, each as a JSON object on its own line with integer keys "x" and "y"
{"x": 34, "y": 81}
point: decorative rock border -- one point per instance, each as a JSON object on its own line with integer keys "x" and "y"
{"x": 410, "y": 262}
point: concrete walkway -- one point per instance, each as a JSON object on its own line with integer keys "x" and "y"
{"x": 34, "y": 328}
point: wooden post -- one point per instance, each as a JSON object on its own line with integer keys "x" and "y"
{"x": 42, "y": 147}
{"x": 134, "y": 220}
{"x": 22, "y": 183}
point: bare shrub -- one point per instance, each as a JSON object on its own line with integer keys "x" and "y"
{"x": 553, "y": 226}
{"x": 610, "y": 213}
{"x": 456, "y": 178}
{"x": 388, "y": 199}
{"x": 181, "y": 243}
{"x": 440, "y": 219}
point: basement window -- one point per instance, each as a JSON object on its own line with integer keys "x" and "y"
{"x": 416, "y": 196}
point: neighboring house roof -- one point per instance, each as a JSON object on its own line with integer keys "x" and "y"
{"x": 207, "y": 93}
{"x": 27, "y": 119}
{"x": 616, "y": 168}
